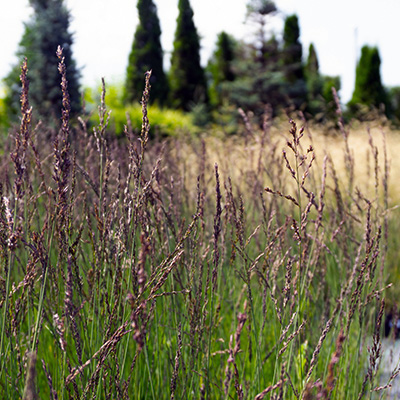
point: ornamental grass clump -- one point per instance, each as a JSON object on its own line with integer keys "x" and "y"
{"x": 142, "y": 269}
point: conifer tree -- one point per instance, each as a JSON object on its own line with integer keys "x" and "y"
{"x": 292, "y": 47}
{"x": 220, "y": 67}
{"x": 258, "y": 76}
{"x": 368, "y": 89}
{"x": 258, "y": 11}
{"x": 312, "y": 66}
{"x": 187, "y": 77}
{"x": 314, "y": 82}
{"x": 47, "y": 29}
{"x": 146, "y": 54}
{"x": 292, "y": 61}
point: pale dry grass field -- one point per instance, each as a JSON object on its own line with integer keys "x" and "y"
{"x": 372, "y": 149}
{"x": 359, "y": 140}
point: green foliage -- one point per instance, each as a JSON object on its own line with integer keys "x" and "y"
{"x": 4, "y": 122}
{"x": 394, "y": 103}
{"x": 187, "y": 77}
{"x": 47, "y": 29}
{"x": 220, "y": 67}
{"x": 330, "y": 82}
{"x": 12, "y": 88}
{"x": 146, "y": 54}
{"x": 368, "y": 90}
{"x": 256, "y": 85}
{"x": 320, "y": 101}
{"x": 164, "y": 122}
{"x": 268, "y": 71}
{"x": 226, "y": 120}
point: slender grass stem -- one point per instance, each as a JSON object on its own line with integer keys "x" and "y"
{"x": 5, "y": 309}
{"x": 150, "y": 375}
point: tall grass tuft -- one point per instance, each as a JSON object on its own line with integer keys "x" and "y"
{"x": 135, "y": 269}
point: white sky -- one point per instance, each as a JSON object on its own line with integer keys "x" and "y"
{"x": 103, "y": 32}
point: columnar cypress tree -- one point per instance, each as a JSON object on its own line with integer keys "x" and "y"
{"x": 312, "y": 66}
{"x": 368, "y": 89}
{"x": 187, "y": 77}
{"x": 146, "y": 54}
{"x": 47, "y": 29}
{"x": 314, "y": 81}
{"x": 292, "y": 48}
{"x": 292, "y": 61}
{"x": 220, "y": 66}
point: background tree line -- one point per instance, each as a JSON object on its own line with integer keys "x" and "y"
{"x": 269, "y": 70}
